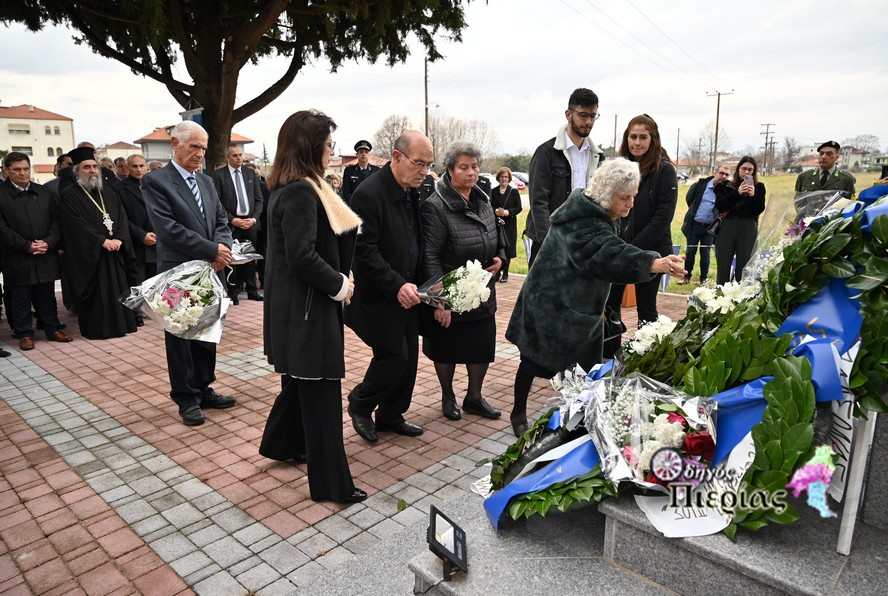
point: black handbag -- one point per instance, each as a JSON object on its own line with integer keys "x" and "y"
{"x": 613, "y": 325}
{"x": 716, "y": 225}
{"x": 501, "y": 233}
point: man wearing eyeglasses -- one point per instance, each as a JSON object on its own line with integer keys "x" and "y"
{"x": 354, "y": 174}
{"x": 562, "y": 164}
{"x": 386, "y": 269}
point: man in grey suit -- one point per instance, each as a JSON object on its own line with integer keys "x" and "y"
{"x": 190, "y": 224}
{"x": 241, "y": 197}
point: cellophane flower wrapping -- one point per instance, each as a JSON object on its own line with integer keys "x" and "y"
{"x": 463, "y": 289}
{"x": 631, "y": 418}
{"x": 242, "y": 251}
{"x": 189, "y": 299}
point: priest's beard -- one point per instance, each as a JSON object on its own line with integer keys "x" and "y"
{"x": 89, "y": 182}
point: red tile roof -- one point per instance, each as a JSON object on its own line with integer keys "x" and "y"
{"x": 122, "y": 145}
{"x": 28, "y": 112}
{"x": 163, "y": 134}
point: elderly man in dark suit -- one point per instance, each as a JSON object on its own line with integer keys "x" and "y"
{"x": 29, "y": 234}
{"x": 190, "y": 224}
{"x": 385, "y": 267}
{"x": 141, "y": 231}
{"x": 241, "y": 197}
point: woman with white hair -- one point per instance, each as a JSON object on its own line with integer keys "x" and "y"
{"x": 558, "y": 317}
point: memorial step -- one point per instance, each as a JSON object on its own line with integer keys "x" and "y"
{"x": 800, "y": 558}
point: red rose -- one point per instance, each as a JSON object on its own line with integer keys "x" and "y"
{"x": 674, "y": 417}
{"x": 700, "y": 444}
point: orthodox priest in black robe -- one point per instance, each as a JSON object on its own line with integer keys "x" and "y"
{"x": 99, "y": 259}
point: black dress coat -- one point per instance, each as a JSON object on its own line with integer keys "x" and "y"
{"x": 26, "y": 216}
{"x": 511, "y": 202}
{"x": 649, "y": 224}
{"x": 139, "y": 224}
{"x": 384, "y": 259}
{"x": 306, "y": 261}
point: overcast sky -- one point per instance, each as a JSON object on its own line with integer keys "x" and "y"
{"x": 816, "y": 70}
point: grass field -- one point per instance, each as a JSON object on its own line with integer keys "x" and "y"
{"x": 773, "y": 221}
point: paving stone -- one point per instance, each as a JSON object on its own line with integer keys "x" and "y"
{"x": 279, "y": 588}
{"x": 307, "y": 573}
{"x": 218, "y": 583}
{"x": 385, "y": 528}
{"x": 233, "y": 519}
{"x": 227, "y": 551}
{"x": 182, "y": 515}
{"x": 337, "y": 528}
{"x": 191, "y": 563}
{"x": 136, "y": 511}
{"x": 252, "y": 533}
{"x": 366, "y": 518}
{"x": 192, "y": 489}
{"x": 425, "y": 482}
{"x": 150, "y": 524}
{"x": 265, "y": 543}
{"x": 411, "y": 515}
{"x": 335, "y": 557}
{"x": 284, "y": 557}
{"x": 202, "y": 574}
{"x": 207, "y": 535}
{"x": 361, "y": 543}
{"x": 316, "y": 545}
{"x": 244, "y": 566}
{"x": 258, "y": 577}
{"x": 172, "y": 547}
{"x": 148, "y": 485}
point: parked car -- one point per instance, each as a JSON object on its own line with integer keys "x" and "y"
{"x": 522, "y": 176}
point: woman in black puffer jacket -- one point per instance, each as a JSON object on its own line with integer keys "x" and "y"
{"x": 459, "y": 226}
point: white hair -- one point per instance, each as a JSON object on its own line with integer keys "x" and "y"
{"x": 185, "y": 130}
{"x": 614, "y": 177}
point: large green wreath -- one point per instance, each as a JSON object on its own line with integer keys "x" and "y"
{"x": 708, "y": 353}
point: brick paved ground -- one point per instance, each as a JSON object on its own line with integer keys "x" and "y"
{"x": 104, "y": 491}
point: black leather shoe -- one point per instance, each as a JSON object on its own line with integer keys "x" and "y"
{"x": 234, "y": 300}
{"x": 481, "y": 407}
{"x": 192, "y": 416}
{"x": 219, "y": 402}
{"x": 450, "y": 409}
{"x": 402, "y": 428}
{"x": 255, "y": 296}
{"x": 519, "y": 428}
{"x": 300, "y": 458}
{"x": 357, "y": 496}
{"x": 504, "y": 278}
{"x": 4, "y": 353}
{"x": 363, "y": 426}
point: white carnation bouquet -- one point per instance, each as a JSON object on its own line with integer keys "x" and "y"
{"x": 649, "y": 334}
{"x": 189, "y": 299}
{"x": 462, "y": 289}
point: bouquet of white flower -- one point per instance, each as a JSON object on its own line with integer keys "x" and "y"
{"x": 649, "y": 334}
{"x": 649, "y": 433}
{"x": 189, "y": 299}
{"x": 463, "y": 289}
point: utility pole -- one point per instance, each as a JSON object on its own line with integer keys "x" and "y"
{"x": 768, "y": 165}
{"x": 426, "y": 86}
{"x": 615, "y": 137}
{"x": 677, "y": 141}
{"x": 771, "y": 159}
{"x": 718, "y": 95}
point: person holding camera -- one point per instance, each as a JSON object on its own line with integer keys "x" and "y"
{"x": 740, "y": 202}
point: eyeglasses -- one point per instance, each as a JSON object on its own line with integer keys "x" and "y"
{"x": 587, "y": 115}
{"x": 420, "y": 164}
{"x": 331, "y": 145}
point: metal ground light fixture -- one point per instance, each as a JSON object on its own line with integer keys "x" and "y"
{"x": 448, "y": 542}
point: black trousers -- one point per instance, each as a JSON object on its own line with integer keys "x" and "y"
{"x": 192, "y": 367}
{"x": 646, "y": 300}
{"x": 243, "y": 275}
{"x": 390, "y": 378}
{"x": 306, "y": 419}
{"x": 42, "y": 296}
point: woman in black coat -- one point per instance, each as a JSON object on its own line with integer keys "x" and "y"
{"x": 743, "y": 199}
{"x": 311, "y": 242}
{"x": 649, "y": 223}
{"x": 506, "y": 205}
{"x": 458, "y": 226}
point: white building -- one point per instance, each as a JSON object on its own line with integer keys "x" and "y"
{"x": 39, "y": 134}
